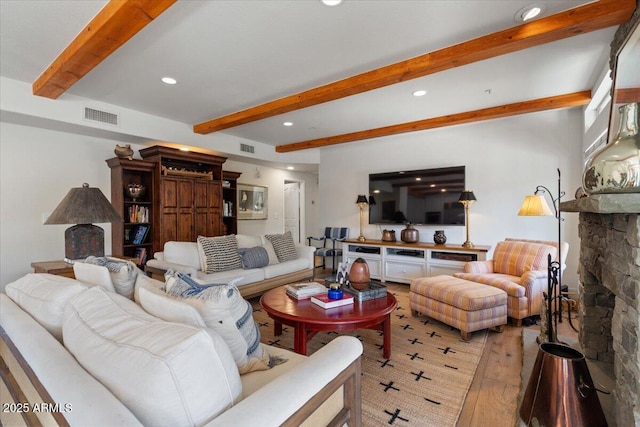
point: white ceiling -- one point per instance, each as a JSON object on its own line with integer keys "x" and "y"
{"x": 231, "y": 55}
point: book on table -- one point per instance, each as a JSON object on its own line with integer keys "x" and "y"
{"x": 305, "y": 290}
{"x": 325, "y": 302}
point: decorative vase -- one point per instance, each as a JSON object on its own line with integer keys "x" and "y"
{"x": 439, "y": 238}
{"x": 359, "y": 276}
{"x": 615, "y": 168}
{"x": 409, "y": 234}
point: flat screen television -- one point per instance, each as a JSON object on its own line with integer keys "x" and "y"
{"x": 424, "y": 196}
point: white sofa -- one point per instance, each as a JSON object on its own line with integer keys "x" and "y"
{"x": 184, "y": 256}
{"x": 108, "y": 371}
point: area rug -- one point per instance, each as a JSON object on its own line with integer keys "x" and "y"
{"x": 425, "y": 381}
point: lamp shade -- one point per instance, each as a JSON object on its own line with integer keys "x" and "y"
{"x": 467, "y": 197}
{"x": 535, "y": 205}
{"x": 84, "y": 205}
{"x": 361, "y": 199}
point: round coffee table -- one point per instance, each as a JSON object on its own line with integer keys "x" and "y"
{"x": 307, "y": 318}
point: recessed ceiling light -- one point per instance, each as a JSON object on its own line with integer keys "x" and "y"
{"x": 290, "y": 168}
{"x": 527, "y": 13}
{"x": 418, "y": 179}
{"x": 287, "y": 124}
{"x": 184, "y": 149}
{"x": 420, "y": 92}
{"x": 331, "y": 2}
{"x": 444, "y": 190}
{"x": 169, "y": 80}
{"x": 432, "y": 186}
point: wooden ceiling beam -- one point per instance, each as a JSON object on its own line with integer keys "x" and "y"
{"x": 541, "y": 104}
{"x": 580, "y": 20}
{"x": 112, "y": 27}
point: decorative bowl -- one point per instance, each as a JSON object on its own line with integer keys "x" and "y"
{"x": 135, "y": 191}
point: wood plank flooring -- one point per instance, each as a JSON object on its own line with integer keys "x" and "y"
{"x": 492, "y": 398}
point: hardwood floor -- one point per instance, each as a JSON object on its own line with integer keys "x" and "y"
{"x": 493, "y": 397}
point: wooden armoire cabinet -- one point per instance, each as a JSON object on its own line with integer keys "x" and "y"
{"x": 189, "y": 192}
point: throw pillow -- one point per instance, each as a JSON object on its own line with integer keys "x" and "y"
{"x": 255, "y": 257}
{"x": 218, "y": 253}
{"x": 273, "y": 258}
{"x": 123, "y": 273}
{"x": 225, "y": 311}
{"x": 283, "y": 245}
{"x": 167, "y": 374}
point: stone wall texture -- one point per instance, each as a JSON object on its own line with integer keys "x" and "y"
{"x": 610, "y": 303}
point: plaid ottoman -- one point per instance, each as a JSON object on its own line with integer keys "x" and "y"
{"x": 468, "y": 306}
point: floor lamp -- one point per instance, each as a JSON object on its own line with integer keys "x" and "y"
{"x": 536, "y": 205}
{"x": 361, "y": 201}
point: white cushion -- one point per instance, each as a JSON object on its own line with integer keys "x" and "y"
{"x": 185, "y": 253}
{"x": 167, "y": 374}
{"x": 247, "y": 241}
{"x": 44, "y": 297}
{"x": 273, "y": 258}
{"x": 156, "y": 302}
{"x": 92, "y": 274}
{"x": 238, "y": 276}
{"x": 286, "y": 267}
{"x": 224, "y": 310}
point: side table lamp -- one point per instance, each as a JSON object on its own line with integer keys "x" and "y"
{"x": 467, "y": 198}
{"x": 83, "y": 206}
{"x": 361, "y": 201}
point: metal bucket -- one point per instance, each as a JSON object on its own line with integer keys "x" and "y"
{"x": 560, "y": 390}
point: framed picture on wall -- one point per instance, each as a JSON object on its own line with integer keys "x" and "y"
{"x": 252, "y": 201}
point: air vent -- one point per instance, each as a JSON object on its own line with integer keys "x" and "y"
{"x": 247, "y": 148}
{"x": 100, "y": 116}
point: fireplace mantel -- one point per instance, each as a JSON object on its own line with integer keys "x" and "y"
{"x": 627, "y": 203}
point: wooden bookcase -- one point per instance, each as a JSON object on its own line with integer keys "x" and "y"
{"x": 230, "y": 202}
{"x": 123, "y": 234}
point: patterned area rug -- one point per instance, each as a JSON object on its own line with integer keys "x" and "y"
{"x": 425, "y": 381}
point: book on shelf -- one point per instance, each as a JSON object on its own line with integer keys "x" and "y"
{"x": 138, "y": 213}
{"x": 325, "y": 302}
{"x": 305, "y": 290}
{"x": 141, "y": 254}
{"x": 139, "y": 234}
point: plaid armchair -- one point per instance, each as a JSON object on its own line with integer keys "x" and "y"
{"x": 518, "y": 267}
{"x": 332, "y": 234}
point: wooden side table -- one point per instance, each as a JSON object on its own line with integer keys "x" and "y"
{"x": 58, "y": 267}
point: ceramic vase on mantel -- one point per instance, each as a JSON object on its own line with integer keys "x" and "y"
{"x": 615, "y": 168}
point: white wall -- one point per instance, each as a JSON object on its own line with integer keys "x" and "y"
{"x": 274, "y": 180}
{"x": 505, "y": 160}
{"x": 39, "y": 166}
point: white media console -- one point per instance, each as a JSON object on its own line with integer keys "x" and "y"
{"x": 401, "y": 262}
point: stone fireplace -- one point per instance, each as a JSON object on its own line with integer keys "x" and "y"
{"x": 609, "y": 292}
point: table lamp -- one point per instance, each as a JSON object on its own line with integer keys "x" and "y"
{"x": 361, "y": 201}
{"x": 83, "y": 206}
{"x": 467, "y": 198}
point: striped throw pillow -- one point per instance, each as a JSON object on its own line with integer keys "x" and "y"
{"x": 515, "y": 258}
{"x": 283, "y": 245}
{"x": 218, "y": 253}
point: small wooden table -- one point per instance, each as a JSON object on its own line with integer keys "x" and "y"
{"x": 58, "y": 267}
{"x": 307, "y": 318}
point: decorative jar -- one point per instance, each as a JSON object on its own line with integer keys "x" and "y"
{"x": 335, "y": 291}
{"x": 410, "y": 234}
{"x": 359, "y": 276}
{"x": 615, "y": 168}
{"x": 439, "y": 238}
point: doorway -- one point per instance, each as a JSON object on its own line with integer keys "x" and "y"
{"x": 294, "y": 209}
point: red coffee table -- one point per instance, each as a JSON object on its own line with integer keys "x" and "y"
{"x": 307, "y": 319}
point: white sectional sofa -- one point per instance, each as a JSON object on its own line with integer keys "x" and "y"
{"x": 185, "y": 256}
{"x": 80, "y": 355}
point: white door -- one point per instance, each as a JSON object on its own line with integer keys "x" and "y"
{"x": 292, "y": 209}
